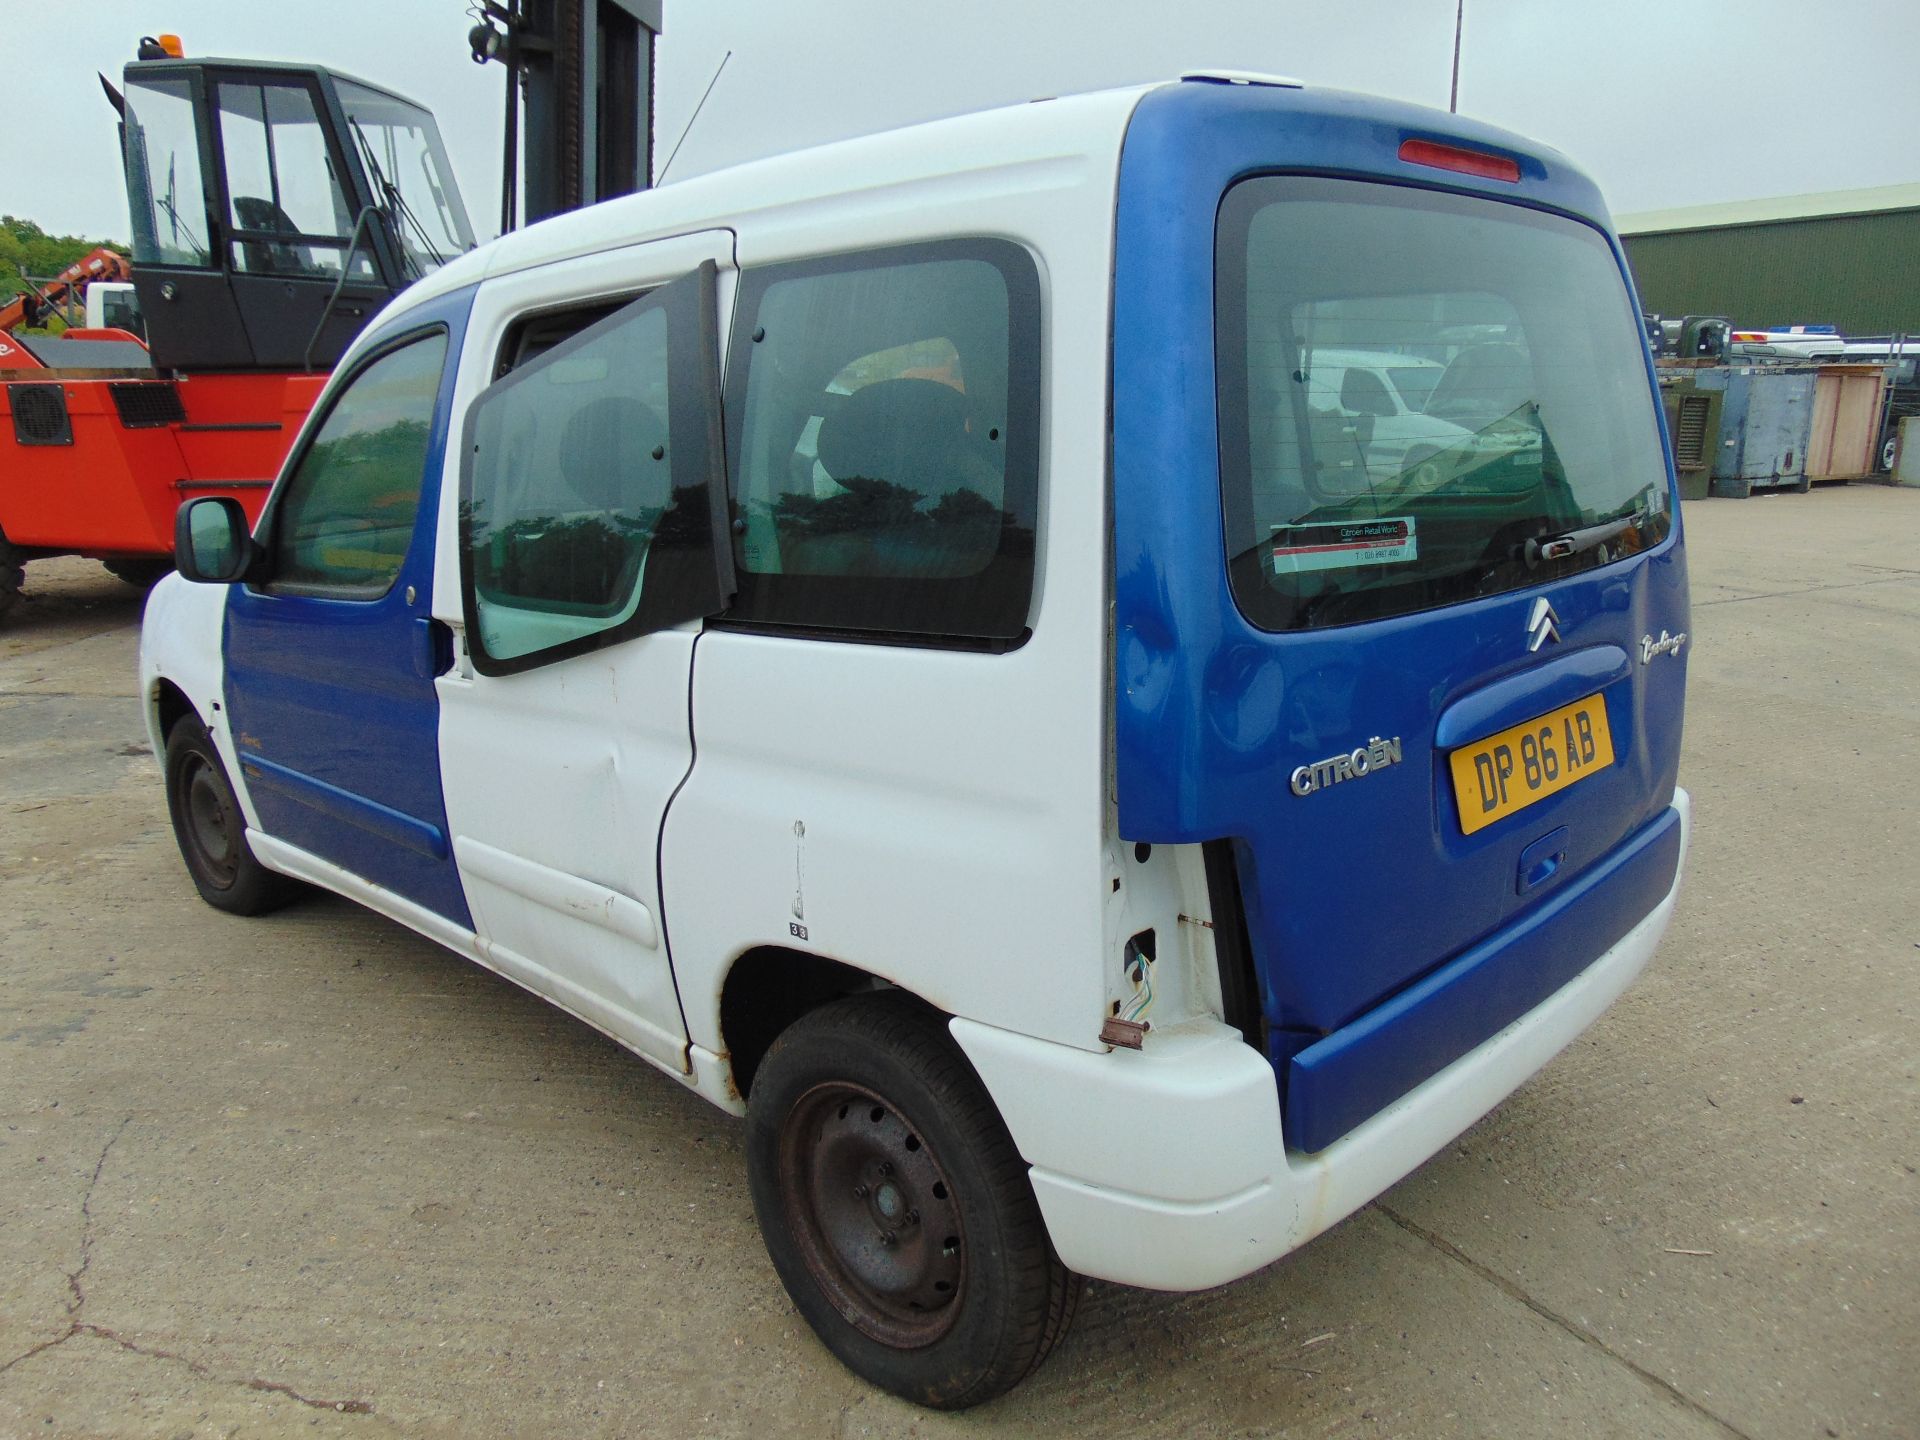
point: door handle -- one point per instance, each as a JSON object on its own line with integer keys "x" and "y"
{"x": 432, "y": 648}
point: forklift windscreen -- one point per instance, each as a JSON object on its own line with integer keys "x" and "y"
{"x": 399, "y": 144}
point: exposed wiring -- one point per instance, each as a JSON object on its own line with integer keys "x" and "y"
{"x": 1143, "y": 990}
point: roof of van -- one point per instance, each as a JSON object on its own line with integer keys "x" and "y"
{"x": 1045, "y": 141}
{"x": 1037, "y": 146}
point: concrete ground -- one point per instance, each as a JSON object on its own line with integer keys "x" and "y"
{"x": 312, "y": 1175}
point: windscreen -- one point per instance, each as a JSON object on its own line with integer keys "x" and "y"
{"x": 399, "y": 144}
{"x": 1424, "y": 398}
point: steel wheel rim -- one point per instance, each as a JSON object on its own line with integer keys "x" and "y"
{"x": 875, "y": 1217}
{"x": 209, "y": 822}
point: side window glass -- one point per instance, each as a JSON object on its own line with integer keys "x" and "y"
{"x": 287, "y": 209}
{"x": 588, "y": 510}
{"x": 344, "y": 520}
{"x": 886, "y": 454}
{"x": 167, "y": 207}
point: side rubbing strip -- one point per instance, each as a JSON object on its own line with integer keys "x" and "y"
{"x": 330, "y": 800}
{"x": 565, "y": 894}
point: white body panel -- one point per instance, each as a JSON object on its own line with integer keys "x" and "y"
{"x": 180, "y": 643}
{"x": 1134, "y": 1191}
{"x": 556, "y": 778}
{"x": 952, "y": 802}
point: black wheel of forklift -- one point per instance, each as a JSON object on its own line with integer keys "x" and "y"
{"x": 212, "y": 831}
{"x": 13, "y": 574}
{"x": 140, "y": 571}
{"x": 896, "y": 1209}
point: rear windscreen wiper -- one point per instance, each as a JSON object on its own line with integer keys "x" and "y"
{"x": 1539, "y": 548}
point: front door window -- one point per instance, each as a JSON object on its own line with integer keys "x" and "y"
{"x": 344, "y": 519}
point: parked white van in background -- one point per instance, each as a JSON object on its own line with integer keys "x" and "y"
{"x": 890, "y": 635}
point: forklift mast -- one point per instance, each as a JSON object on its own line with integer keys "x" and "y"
{"x": 583, "y": 71}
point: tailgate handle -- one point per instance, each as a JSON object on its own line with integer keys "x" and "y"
{"x": 1541, "y": 861}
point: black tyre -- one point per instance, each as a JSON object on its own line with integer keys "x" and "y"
{"x": 896, "y": 1209}
{"x": 212, "y": 831}
{"x": 143, "y": 573}
{"x": 12, "y": 575}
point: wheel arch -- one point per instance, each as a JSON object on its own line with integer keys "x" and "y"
{"x": 768, "y": 987}
{"x": 167, "y": 703}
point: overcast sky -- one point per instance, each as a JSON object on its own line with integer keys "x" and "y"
{"x": 1667, "y": 102}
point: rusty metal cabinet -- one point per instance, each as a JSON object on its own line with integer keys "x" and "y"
{"x": 1764, "y": 429}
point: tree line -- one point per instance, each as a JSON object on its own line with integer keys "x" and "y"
{"x": 23, "y": 243}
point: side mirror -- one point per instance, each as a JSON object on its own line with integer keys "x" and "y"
{"x": 211, "y": 542}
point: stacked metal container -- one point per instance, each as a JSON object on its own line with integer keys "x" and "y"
{"x": 1765, "y": 426}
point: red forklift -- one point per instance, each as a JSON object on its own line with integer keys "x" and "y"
{"x": 275, "y": 209}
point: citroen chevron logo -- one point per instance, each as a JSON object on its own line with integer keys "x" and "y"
{"x": 1542, "y": 625}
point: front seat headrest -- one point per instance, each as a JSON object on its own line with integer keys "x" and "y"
{"x": 607, "y": 454}
{"x": 911, "y": 433}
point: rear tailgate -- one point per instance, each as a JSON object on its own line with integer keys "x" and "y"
{"x": 1432, "y": 711}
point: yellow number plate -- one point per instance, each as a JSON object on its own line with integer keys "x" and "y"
{"x": 1503, "y": 773}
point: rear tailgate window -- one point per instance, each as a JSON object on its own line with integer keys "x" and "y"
{"x": 1342, "y": 506}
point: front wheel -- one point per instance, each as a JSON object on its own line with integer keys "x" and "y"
{"x": 210, "y": 829}
{"x": 896, "y": 1209}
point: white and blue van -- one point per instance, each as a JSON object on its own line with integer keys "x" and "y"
{"x": 892, "y": 636}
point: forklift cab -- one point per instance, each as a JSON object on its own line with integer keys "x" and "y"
{"x": 276, "y": 208}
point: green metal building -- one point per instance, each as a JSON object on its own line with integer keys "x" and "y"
{"x": 1849, "y": 258}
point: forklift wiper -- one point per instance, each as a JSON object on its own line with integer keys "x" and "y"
{"x": 1541, "y": 548}
{"x": 400, "y": 215}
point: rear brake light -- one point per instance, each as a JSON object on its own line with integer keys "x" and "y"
{"x": 1468, "y": 162}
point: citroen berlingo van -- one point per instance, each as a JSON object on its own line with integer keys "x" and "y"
{"x": 891, "y": 635}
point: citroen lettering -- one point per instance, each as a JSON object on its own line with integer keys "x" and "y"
{"x": 1356, "y": 764}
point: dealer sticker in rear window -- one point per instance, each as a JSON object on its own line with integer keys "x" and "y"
{"x": 1336, "y": 545}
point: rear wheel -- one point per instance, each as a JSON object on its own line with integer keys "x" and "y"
{"x": 896, "y": 1209}
{"x": 210, "y": 829}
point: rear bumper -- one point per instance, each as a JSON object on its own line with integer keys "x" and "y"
{"x": 1168, "y": 1167}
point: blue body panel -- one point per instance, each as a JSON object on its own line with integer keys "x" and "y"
{"x": 332, "y": 701}
{"x": 1337, "y": 1082}
{"x": 1354, "y": 893}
